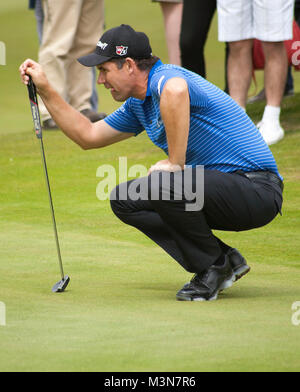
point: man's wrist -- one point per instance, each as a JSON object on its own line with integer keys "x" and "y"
{"x": 177, "y": 162}
{"x": 46, "y": 91}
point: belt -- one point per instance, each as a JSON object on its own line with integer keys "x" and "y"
{"x": 265, "y": 175}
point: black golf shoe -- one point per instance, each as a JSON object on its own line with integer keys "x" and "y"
{"x": 238, "y": 263}
{"x": 207, "y": 285}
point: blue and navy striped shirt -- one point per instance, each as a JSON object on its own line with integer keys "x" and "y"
{"x": 221, "y": 136}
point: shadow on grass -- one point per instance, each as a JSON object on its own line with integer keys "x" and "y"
{"x": 234, "y": 293}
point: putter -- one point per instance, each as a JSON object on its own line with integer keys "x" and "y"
{"x": 60, "y": 286}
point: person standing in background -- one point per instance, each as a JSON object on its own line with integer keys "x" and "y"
{"x": 172, "y": 13}
{"x": 196, "y": 20}
{"x": 289, "y": 87}
{"x": 39, "y": 16}
{"x": 272, "y": 23}
{"x": 65, "y": 30}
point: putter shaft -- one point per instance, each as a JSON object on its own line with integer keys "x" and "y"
{"x": 51, "y": 207}
{"x": 39, "y": 134}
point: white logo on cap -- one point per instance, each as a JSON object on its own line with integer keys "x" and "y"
{"x": 102, "y": 45}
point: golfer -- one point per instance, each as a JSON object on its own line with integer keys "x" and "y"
{"x": 196, "y": 124}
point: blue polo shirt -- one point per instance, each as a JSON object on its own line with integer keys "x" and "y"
{"x": 221, "y": 136}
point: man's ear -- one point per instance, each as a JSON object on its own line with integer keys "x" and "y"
{"x": 130, "y": 65}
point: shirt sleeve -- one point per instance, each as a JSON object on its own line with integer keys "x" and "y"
{"x": 197, "y": 93}
{"x": 124, "y": 120}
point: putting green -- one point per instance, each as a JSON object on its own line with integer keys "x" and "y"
{"x": 119, "y": 312}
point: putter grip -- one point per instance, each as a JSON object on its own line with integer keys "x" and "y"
{"x": 34, "y": 108}
{"x": 32, "y": 91}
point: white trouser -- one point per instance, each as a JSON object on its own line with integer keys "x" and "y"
{"x": 266, "y": 20}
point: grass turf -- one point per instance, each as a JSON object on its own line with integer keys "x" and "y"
{"x": 120, "y": 313}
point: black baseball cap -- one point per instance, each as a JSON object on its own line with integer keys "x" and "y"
{"x": 119, "y": 42}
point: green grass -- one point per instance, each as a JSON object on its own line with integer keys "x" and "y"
{"x": 120, "y": 313}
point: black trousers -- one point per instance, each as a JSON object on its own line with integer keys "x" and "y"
{"x": 232, "y": 202}
{"x": 196, "y": 20}
{"x": 297, "y": 11}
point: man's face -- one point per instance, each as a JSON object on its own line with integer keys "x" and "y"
{"x": 117, "y": 80}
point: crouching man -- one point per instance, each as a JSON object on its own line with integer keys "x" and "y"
{"x": 197, "y": 125}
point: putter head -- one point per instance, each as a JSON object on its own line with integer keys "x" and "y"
{"x": 60, "y": 286}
